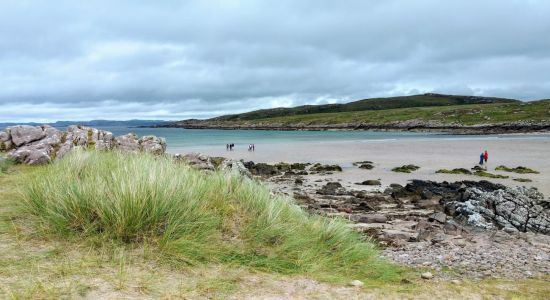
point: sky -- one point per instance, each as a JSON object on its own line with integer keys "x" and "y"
{"x": 172, "y": 60}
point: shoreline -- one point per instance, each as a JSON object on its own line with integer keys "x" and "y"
{"x": 430, "y": 155}
{"x": 482, "y": 129}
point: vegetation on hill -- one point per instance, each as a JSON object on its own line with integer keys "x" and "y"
{"x": 536, "y": 111}
{"x": 194, "y": 217}
{"x": 424, "y": 100}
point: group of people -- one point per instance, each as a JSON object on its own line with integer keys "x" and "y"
{"x": 483, "y": 157}
{"x": 229, "y": 147}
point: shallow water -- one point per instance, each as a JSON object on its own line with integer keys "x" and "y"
{"x": 181, "y": 139}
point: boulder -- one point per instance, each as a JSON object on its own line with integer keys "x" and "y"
{"x": 196, "y": 160}
{"x": 152, "y": 144}
{"x": 235, "y": 166}
{"x": 373, "y": 218}
{"x": 127, "y": 143}
{"x": 333, "y": 188}
{"x": 24, "y": 134}
{"x": 439, "y": 217}
{"x": 31, "y": 154}
{"x": 370, "y": 182}
{"x": 325, "y": 168}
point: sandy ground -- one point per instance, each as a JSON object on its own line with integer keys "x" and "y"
{"x": 430, "y": 155}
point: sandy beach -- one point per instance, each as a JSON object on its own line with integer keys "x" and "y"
{"x": 431, "y": 155}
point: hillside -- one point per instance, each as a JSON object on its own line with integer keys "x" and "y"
{"x": 501, "y": 116}
{"x": 424, "y": 100}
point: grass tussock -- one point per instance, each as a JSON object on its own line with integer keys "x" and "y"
{"x": 5, "y": 165}
{"x": 194, "y": 217}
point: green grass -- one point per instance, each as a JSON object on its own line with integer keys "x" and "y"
{"x": 193, "y": 217}
{"x": 537, "y": 111}
{"x": 368, "y": 104}
{"x": 5, "y": 164}
{"x": 519, "y": 170}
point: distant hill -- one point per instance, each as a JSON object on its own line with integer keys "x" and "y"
{"x": 94, "y": 123}
{"x": 423, "y": 100}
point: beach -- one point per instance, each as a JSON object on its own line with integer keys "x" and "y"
{"x": 430, "y": 155}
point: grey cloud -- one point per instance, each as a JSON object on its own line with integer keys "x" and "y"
{"x": 178, "y": 59}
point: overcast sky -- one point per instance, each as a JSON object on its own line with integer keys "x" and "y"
{"x": 81, "y": 60}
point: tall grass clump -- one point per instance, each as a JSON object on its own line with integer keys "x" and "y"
{"x": 194, "y": 217}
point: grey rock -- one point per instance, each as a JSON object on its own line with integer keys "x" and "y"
{"x": 24, "y": 134}
{"x": 235, "y": 166}
{"x": 127, "y": 143}
{"x": 427, "y": 275}
{"x": 439, "y": 217}
{"x": 373, "y": 218}
{"x": 196, "y": 160}
{"x": 152, "y": 144}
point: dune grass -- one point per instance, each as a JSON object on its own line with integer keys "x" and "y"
{"x": 193, "y": 217}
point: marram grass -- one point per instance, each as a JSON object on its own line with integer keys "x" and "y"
{"x": 194, "y": 217}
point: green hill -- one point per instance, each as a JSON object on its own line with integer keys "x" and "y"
{"x": 424, "y": 100}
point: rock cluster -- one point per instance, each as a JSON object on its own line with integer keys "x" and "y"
{"x": 35, "y": 145}
{"x": 514, "y": 209}
{"x": 206, "y": 163}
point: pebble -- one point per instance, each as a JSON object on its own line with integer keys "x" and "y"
{"x": 356, "y": 283}
{"x": 427, "y": 275}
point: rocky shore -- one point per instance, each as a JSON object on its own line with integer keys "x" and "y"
{"x": 465, "y": 229}
{"x": 409, "y": 125}
{"x": 469, "y": 229}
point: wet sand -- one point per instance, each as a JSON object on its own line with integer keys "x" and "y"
{"x": 431, "y": 155}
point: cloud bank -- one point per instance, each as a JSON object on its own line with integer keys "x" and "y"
{"x": 63, "y": 60}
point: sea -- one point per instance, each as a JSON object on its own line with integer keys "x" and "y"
{"x": 180, "y": 140}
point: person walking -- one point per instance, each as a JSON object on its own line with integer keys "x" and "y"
{"x": 486, "y": 157}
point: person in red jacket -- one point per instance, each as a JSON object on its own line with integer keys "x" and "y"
{"x": 486, "y": 157}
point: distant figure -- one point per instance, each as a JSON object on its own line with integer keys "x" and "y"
{"x": 481, "y": 158}
{"x": 486, "y": 157}
{"x": 250, "y": 147}
{"x": 253, "y": 147}
{"x": 231, "y": 146}
{"x": 226, "y": 146}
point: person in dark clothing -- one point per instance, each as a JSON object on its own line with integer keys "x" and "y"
{"x": 481, "y": 158}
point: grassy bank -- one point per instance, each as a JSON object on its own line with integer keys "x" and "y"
{"x": 538, "y": 111}
{"x": 43, "y": 259}
{"x": 194, "y": 217}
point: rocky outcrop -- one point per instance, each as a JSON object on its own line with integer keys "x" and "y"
{"x": 517, "y": 208}
{"x": 196, "y": 160}
{"x": 35, "y": 145}
{"x": 235, "y": 166}
{"x": 484, "y": 204}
